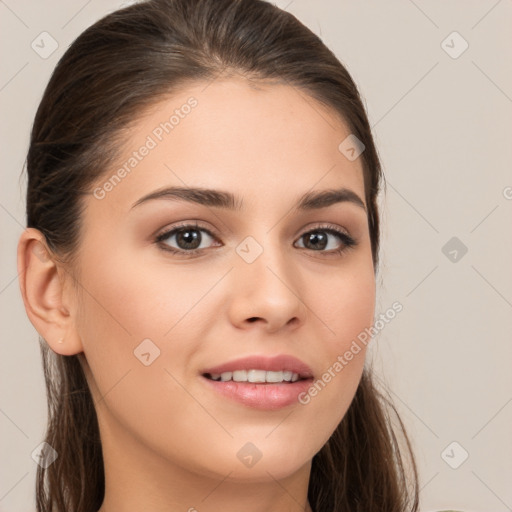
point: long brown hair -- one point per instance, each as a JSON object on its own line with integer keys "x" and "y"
{"x": 112, "y": 72}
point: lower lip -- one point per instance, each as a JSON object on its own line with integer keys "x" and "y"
{"x": 261, "y": 396}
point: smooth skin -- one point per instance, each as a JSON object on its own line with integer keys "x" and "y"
{"x": 170, "y": 442}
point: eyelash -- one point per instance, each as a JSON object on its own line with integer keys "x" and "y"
{"x": 347, "y": 241}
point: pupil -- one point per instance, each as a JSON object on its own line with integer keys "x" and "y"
{"x": 189, "y": 237}
{"x": 318, "y": 240}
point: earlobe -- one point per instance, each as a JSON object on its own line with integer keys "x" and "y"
{"x": 42, "y": 289}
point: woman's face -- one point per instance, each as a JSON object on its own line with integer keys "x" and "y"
{"x": 262, "y": 281}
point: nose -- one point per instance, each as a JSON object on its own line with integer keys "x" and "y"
{"x": 267, "y": 292}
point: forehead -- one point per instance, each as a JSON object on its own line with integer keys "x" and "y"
{"x": 231, "y": 133}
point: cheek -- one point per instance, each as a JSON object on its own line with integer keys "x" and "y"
{"x": 127, "y": 313}
{"x": 129, "y": 301}
{"x": 347, "y": 306}
{"x": 121, "y": 308}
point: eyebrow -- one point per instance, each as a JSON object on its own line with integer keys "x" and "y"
{"x": 227, "y": 200}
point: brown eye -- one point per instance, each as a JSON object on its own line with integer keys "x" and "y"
{"x": 318, "y": 240}
{"x": 188, "y": 239}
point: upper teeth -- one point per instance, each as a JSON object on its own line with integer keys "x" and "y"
{"x": 256, "y": 376}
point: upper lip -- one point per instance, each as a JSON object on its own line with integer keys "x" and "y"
{"x": 277, "y": 363}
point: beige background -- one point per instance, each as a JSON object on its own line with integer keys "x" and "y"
{"x": 443, "y": 126}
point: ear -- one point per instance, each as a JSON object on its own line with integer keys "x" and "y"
{"x": 49, "y": 302}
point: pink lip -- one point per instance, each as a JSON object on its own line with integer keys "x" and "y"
{"x": 277, "y": 363}
{"x": 263, "y": 396}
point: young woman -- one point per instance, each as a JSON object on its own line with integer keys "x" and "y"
{"x": 200, "y": 258}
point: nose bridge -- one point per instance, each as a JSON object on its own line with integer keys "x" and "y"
{"x": 264, "y": 261}
{"x": 265, "y": 283}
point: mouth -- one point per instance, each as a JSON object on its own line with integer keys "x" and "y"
{"x": 260, "y": 381}
{"x": 263, "y": 396}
